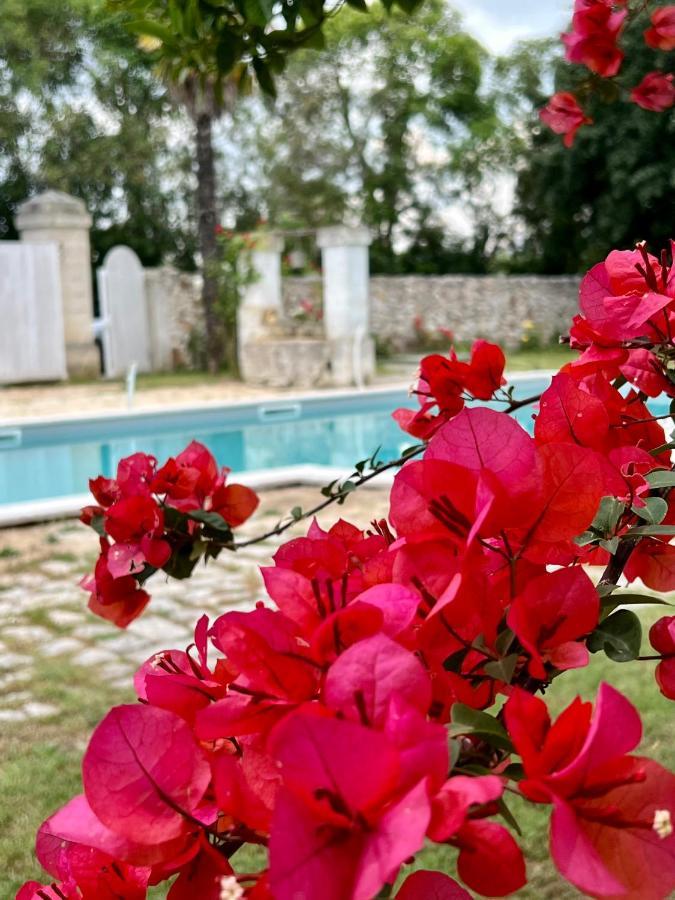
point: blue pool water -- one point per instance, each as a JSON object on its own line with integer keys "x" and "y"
{"x": 50, "y": 460}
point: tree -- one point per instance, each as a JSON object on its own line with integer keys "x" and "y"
{"x": 209, "y": 53}
{"x": 379, "y": 128}
{"x": 614, "y": 186}
{"x": 81, "y": 111}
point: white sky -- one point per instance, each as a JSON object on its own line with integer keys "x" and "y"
{"x": 499, "y": 24}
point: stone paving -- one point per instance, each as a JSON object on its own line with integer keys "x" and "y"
{"x": 43, "y": 613}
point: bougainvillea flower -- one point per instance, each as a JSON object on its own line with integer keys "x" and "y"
{"x": 661, "y": 35}
{"x": 136, "y": 524}
{"x": 653, "y": 562}
{"x": 119, "y": 600}
{"x": 443, "y": 383}
{"x": 144, "y": 774}
{"x": 550, "y": 617}
{"x": 33, "y": 890}
{"x": 426, "y": 885}
{"x": 340, "y": 830}
{"x": 662, "y": 639}
{"x": 593, "y": 39}
{"x": 204, "y": 877}
{"x": 564, "y": 116}
{"x": 363, "y": 680}
{"x": 245, "y": 784}
{"x": 656, "y": 91}
{"x": 608, "y": 828}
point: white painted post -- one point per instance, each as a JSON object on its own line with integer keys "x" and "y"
{"x": 55, "y": 216}
{"x": 261, "y": 305}
{"x": 346, "y": 302}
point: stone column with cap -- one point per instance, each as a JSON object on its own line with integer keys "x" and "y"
{"x": 346, "y": 303}
{"x": 260, "y": 310}
{"x": 55, "y": 216}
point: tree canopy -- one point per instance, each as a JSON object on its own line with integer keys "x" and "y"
{"x": 614, "y": 186}
{"x": 81, "y": 111}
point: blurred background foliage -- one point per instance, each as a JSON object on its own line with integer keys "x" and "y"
{"x": 397, "y": 119}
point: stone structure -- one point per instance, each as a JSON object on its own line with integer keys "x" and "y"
{"x": 504, "y": 309}
{"x": 124, "y": 313}
{"x": 57, "y": 217}
{"x": 175, "y": 318}
{"x": 282, "y": 349}
{"x": 344, "y": 254}
{"x": 33, "y": 349}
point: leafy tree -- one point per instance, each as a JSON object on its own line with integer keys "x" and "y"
{"x": 379, "y": 128}
{"x": 614, "y": 186}
{"x": 81, "y": 111}
{"x": 209, "y": 53}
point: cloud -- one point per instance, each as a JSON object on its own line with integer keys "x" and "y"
{"x": 499, "y": 24}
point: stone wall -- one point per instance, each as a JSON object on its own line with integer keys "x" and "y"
{"x": 502, "y": 308}
{"x": 175, "y": 318}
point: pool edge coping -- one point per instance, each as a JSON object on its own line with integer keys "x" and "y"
{"x": 213, "y": 405}
{"x": 32, "y": 512}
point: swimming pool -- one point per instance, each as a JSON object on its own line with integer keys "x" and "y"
{"x": 43, "y": 460}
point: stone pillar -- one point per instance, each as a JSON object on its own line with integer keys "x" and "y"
{"x": 261, "y": 306}
{"x": 346, "y": 302}
{"x": 55, "y": 216}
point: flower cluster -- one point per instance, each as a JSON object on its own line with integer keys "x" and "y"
{"x": 594, "y": 42}
{"x": 445, "y": 384}
{"x": 387, "y": 697}
{"x": 151, "y": 517}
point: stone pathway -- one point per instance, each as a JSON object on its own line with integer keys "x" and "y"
{"x": 44, "y": 619}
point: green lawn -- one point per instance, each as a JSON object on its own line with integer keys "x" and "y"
{"x": 40, "y": 767}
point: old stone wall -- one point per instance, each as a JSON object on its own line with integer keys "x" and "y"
{"x": 175, "y": 318}
{"x": 504, "y": 309}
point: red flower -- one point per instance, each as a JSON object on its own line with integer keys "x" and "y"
{"x": 609, "y": 829}
{"x": 563, "y": 115}
{"x": 551, "y": 615}
{"x": 662, "y": 639}
{"x": 661, "y": 35}
{"x": 656, "y": 91}
{"x": 593, "y": 40}
{"x": 137, "y": 526}
{"x": 443, "y": 383}
{"x": 120, "y": 600}
{"x": 341, "y": 828}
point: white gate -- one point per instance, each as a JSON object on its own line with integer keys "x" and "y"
{"x": 32, "y": 343}
{"x": 124, "y": 312}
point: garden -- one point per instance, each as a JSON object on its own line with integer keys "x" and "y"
{"x": 446, "y": 671}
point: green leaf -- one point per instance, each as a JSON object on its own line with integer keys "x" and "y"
{"x": 454, "y": 750}
{"x": 296, "y": 513}
{"x": 213, "y": 519}
{"x": 264, "y": 77}
{"x": 629, "y": 599}
{"x": 508, "y": 816}
{"x": 619, "y": 635}
{"x": 607, "y": 516}
{"x": 514, "y": 771}
{"x": 97, "y": 524}
{"x": 588, "y": 537}
{"x": 502, "y": 669}
{"x": 661, "y": 478}
{"x": 654, "y": 511}
{"x": 146, "y": 27}
{"x": 361, "y": 5}
{"x": 465, "y": 720}
{"x": 651, "y": 530}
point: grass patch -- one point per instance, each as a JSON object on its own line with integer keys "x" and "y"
{"x": 550, "y": 357}
{"x": 41, "y": 765}
{"x": 9, "y": 553}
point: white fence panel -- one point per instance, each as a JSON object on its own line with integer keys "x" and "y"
{"x": 32, "y": 343}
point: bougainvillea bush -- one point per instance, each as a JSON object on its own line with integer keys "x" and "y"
{"x": 595, "y": 44}
{"x": 391, "y": 694}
